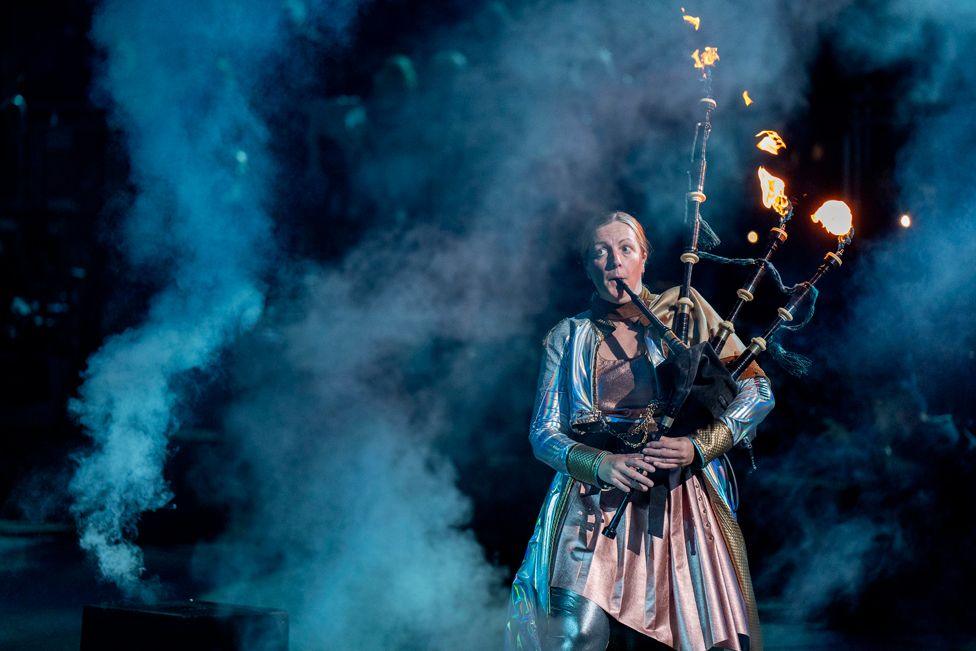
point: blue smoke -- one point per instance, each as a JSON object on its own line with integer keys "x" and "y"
{"x": 914, "y": 297}
{"x": 344, "y": 510}
{"x": 345, "y": 506}
{"x": 180, "y": 80}
{"x": 907, "y": 336}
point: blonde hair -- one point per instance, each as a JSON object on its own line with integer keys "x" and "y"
{"x": 586, "y": 235}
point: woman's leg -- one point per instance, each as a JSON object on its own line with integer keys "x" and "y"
{"x": 575, "y": 623}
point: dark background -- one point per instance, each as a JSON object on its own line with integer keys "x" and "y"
{"x": 65, "y": 287}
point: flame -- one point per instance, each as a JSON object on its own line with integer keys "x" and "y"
{"x": 835, "y": 216}
{"x": 706, "y": 58}
{"x": 746, "y": 98}
{"x": 694, "y": 21}
{"x": 773, "y": 192}
{"x": 771, "y": 142}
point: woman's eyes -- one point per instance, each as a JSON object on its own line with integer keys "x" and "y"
{"x": 602, "y": 251}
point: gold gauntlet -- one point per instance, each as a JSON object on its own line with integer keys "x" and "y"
{"x": 583, "y": 462}
{"x": 712, "y": 441}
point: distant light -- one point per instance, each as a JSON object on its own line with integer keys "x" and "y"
{"x": 355, "y": 118}
{"x": 18, "y": 101}
{"x": 19, "y": 306}
{"x": 241, "y": 157}
{"x": 753, "y": 237}
{"x": 905, "y": 220}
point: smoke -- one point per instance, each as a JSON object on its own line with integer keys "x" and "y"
{"x": 355, "y": 402}
{"x": 180, "y": 80}
{"x": 366, "y": 381}
{"x": 912, "y": 290}
{"x": 349, "y": 518}
{"x": 863, "y": 501}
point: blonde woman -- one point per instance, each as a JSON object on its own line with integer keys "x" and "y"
{"x": 677, "y": 570}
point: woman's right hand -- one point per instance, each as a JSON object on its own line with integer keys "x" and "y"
{"x": 623, "y": 471}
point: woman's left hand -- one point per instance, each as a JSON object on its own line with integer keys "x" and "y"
{"x": 669, "y": 453}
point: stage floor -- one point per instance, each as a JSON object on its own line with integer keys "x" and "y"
{"x": 45, "y": 580}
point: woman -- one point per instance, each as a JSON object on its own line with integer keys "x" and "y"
{"x": 677, "y": 570}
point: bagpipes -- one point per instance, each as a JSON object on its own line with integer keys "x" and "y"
{"x": 702, "y": 385}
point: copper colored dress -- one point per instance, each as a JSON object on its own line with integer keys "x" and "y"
{"x": 668, "y": 573}
{"x": 678, "y": 570}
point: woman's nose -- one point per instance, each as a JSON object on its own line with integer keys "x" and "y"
{"x": 611, "y": 260}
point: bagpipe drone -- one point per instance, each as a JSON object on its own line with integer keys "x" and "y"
{"x": 702, "y": 385}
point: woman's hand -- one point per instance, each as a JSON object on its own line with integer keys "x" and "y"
{"x": 623, "y": 471}
{"x": 669, "y": 453}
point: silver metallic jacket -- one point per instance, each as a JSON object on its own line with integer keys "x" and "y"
{"x": 565, "y": 400}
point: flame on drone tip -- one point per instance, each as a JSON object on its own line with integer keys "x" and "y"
{"x": 771, "y": 142}
{"x": 746, "y": 98}
{"x": 835, "y": 216}
{"x": 773, "y": 192}
{"x": 705, "y": 59}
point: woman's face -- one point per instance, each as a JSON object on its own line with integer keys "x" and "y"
{"x": 615, "y": 254}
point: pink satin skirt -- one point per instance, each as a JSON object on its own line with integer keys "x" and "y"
{"x": 675, "y": 583}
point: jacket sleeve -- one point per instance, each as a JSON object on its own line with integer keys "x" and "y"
{"x": 752, "y": 403}
{"x": 550, "y": 415}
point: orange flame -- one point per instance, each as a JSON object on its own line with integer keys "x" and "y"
{"x": 706, "y": 58}
{"x": 835, "y": 216}
{"x": 746, "y": 98}
{"x": 771, "y": 142}
{"x": 694, "y": 21}
{"x": 773, "y": 192}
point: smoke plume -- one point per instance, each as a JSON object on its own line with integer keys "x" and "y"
{"x": 480, "y": 153}
{"x": 180, "y": 80}
{"x": 368, "y": 378}
{"x": 864, "y": 500}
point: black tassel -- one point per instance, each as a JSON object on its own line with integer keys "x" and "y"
{"x": 707, "y": 237}
{"x": 793, "y": 363}
{"x": 711, "y": 257}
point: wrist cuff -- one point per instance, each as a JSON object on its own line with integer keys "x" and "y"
{"x": 712, "y": 441}
{"x": 583, "y": 462}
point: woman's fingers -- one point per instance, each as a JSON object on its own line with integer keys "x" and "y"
{"x": 637, "y": 461}
{"x": 633, "y": 475}
{"x": 663, "y": 444}
{"x": 663, "y": 454}
{"x": 628, "y": 472}
{"x": 666, "y": 465}
{"x": 621, "y": 484}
